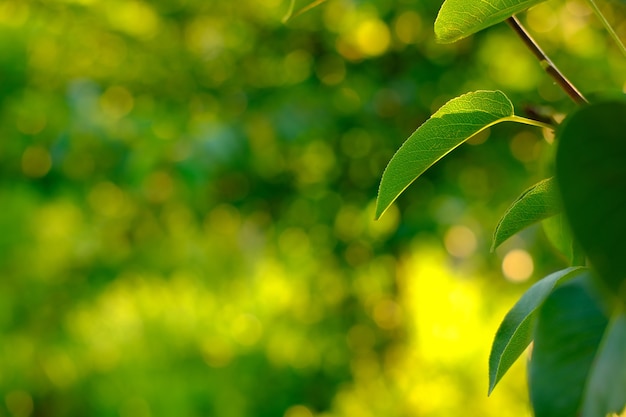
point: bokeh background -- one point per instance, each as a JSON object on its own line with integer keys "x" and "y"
{"x": 186, "y": 206}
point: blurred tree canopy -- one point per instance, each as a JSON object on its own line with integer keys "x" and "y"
{"x": 187, "y": 194}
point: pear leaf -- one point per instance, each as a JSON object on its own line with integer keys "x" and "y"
{"x": 458, "y": 19}
{"x": 591, "y": 175}
{"x": 516, "y": 331}
{"x": 454, "y": 123}
{"x": 570, "y": 327}
{"x": 535, "y": 204}
{"x": 606, "y": 389}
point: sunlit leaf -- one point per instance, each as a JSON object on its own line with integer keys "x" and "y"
{"x": 454, "y": 123}
{"x": 516, "y": 331}
{"x": 535, "y": 204}
{"x": 460, "y": 18}
{"x": 569, "y": 329}
{"x": 606, "y": 390}
{"x": 591, "y": 174}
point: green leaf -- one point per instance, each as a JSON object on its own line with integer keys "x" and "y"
{"x": 569, "y": 329}
{"x": 454, "y": 123}
{"x": 535, "y": 204}
{"x": 558, "y": 232}
{"x": 591, "y": 174}
{"x": 516, "y": 331}
{"x": 460, "y": 18}
{"x": 606, "y": 390}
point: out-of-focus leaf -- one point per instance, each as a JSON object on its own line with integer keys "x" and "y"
{"x": 558, "y": 232}
{"x": 460, "y": 18}
{"x": 291, "y": 14}
{"x": 591, "y": 174}
{"x": 454, "y": 123}
{"x": 516, "y": 331}
{"x": 606, "y": 390}
{"x": 569, "y": 329}
{"x": 535, "y": 204}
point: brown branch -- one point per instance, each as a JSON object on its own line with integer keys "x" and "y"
{"x": 546, "y": 63}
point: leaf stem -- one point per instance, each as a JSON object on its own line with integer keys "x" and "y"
{"x": 546, "y": 63}
{"x": 607, "y": 25}
{"x": 291, "y": 14}
{"x": 530, "y": 122}
{"x": 289, "y": 11}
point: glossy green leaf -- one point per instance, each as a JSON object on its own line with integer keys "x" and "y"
{"x": 516, "y": 331}
{"x": 569, "y": 329}
{"x": 454, "y": 123}
{"x": 606, "y": 390}
{"x": 535, "y": 204}
{"x": 591, "y": 174}
{"x": 460, "y": 18}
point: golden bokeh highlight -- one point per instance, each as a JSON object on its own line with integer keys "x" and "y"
{"x": 297, "y": 66}
{"x": 347, "y": 101}
{"x": 217, "y": 353}
{"x": 460, "y": 241}
{"x": 526, "y": 147}
{"x": 408, "y": 28}
{"x": 298, "y": 411}
{"x": 159, "y": 186}
{"x": 136, "y": 18}
{"x": 387, "y": 314}
{"x": 247, "y": 329}
{"x": 518, "y": 265}
{"x": 108, "y": 199}
{"x": 542, "y": 18}
{"x": 116, "y": 102}
{"x": 60, "y": 368}
{"x": 331, "y": 69}
{"x": 509, "y": 63}
{"x": 369, "y": 37}
{"x": 36, "y": 161}
{"x": 19, "y": 403}
{"x": 32, "y": 124}
{"x": 372, "y": 37}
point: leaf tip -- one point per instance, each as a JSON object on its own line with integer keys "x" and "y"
{"x": 443, "y": 34}
{"x": 493, "y": 247}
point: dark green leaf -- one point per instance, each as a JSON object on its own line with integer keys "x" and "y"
{"x": 606, "y": 390}
{"x": 537, "y": 203}
{"x": 460, "y": 18}
{"x": 569, "y": 329}
{"x": 516, "y": 331}
{"x": 591, "y": 174}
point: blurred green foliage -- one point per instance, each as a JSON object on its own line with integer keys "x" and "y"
{"x": 187, "y": 196}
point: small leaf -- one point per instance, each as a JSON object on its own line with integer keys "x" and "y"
{"x": 606, "y": 389}
{"x": 591, "y": 174}
{"x": 460, "y": 18}
{"x": 454, "y": 123}
{"x": 569, "y": 329}
{"x": 535, "y": 204}
{"x": 516, "y": 331}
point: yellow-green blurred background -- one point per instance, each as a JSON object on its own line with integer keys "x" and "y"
{"x": 186, "y": 205}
